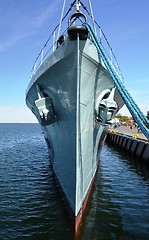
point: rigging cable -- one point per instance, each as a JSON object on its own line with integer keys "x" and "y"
{"x": 101, "y": 32}
{"x": 92, "y": 16}
{"x": 130, "y": 103}
{"x": 72, "y": 4}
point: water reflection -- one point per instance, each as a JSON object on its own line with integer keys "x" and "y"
{"x": 119, "y": 207}
{"x": 31, "y": 205}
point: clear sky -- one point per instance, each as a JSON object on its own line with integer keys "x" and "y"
{"x": 26, "y": 25}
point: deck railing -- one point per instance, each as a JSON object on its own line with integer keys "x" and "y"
{"x": 51, "y": 45}
{"x": 108, "y": 50}
{"x": 46, "y": 50}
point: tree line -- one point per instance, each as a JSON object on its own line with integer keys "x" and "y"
{"x": 126, "y": 118}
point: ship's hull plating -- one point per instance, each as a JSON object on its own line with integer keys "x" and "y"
{"x": 76, "y": 81}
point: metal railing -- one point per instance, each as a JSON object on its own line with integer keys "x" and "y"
{"x": 108, "y": 50}
{"x": 133, "y": 108}
{"x": 51, "y": 45}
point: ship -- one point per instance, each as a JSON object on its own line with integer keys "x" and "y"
{"x": 74, "y": 98}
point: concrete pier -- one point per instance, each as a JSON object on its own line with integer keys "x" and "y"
{"x": 130, "y": 132}
{"x": 130, "y": 142}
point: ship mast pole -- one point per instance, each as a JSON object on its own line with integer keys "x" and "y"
{"x": 93, "y": 20}
{"x": 78, "y": 4}
{"x": 62, "y": 13}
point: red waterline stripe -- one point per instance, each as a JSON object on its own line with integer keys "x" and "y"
{"x": 77, "y": 221}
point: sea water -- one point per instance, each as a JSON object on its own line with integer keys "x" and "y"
{"x": 31, "y": 206}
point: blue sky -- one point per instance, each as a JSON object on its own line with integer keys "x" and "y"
{"x": 26, "y": 25}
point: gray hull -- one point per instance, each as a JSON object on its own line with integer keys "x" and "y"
{"x": 65, "y": 95}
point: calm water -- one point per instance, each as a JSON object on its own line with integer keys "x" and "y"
{"x": 31, "y": 206}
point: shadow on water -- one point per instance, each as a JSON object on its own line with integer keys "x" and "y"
{"x": 117, "y": 209}
{"x": 120, "y": 204}
{"x": 138, "y": 166}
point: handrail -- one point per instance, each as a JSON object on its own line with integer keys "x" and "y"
{"x": 48, "y": 48}
{"x": 108, "y": 50}
{"x": 51, "y": 44}
{"x": 130, "y": 103}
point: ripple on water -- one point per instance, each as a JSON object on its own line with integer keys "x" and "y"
{"x": 31, "y": 206}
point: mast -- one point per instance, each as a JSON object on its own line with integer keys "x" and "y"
{"x": 78, "y": 5}
{"x": 61, "y": 18}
